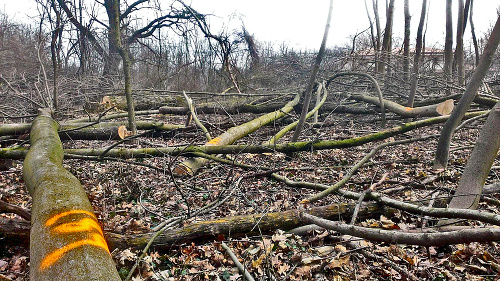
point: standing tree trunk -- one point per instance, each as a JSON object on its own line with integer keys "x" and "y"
{"x": 377, "y": 26}
{"x": 448, "y": 45}
{"x": 114, "y": 46}
{"x": 472, "y": 30}
{"x": 418, "y": 52}
{"x": 55, "y": 47}
{"x": 66, "y": 240}
{"x": 459, "y": 50}
{"x": 113, "y": 10}
{"x": 406, "y": 42}
{"x": 372, "y": 33}
{"x": 443, "y": 146}
{"x": 386, "y": 43}
{"x": 319, "y": 58}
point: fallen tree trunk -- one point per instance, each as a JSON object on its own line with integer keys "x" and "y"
{"x": 443, "y": 108}
{"x": 89, "y": 131}
{"x": 236, "y": 226}
{"x": 112, "y": 116}
{"x": 479, "y": 99}
{"x": 232, "y": 106}
{"x": 18, "y": 153}
{"x": 66, "y": 241}
{"x": 248, "y": 108}
{"x": 191, "y": 165}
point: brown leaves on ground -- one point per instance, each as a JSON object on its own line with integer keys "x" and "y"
{"x": 131, "y": 199}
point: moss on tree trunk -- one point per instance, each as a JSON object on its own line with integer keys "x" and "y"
{"x": 66, "y": 240}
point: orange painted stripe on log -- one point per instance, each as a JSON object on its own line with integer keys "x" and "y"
{"x": 95, "y": 240}
{"x": 214, "y": 141}
{"x": 89, "y": 225}
{"x": 55, "y": 218}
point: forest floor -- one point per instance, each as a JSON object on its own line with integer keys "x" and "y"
{"x": 131, "y": 199}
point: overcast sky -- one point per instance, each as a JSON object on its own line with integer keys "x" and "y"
{"x": 300, "y": 24}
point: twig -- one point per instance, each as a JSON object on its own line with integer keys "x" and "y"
{"x": 409, "y": 238}
{"x": 200, "y": 211}
{"x": 238, "y": 264}
{"x": 189, "y": 102}
{"x": 362, "y": 197}
{"x": 358, "y": 165}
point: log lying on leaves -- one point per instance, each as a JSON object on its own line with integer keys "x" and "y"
{"x": 88, "y": 131}
{"x": 236, "y": 226}
{"x": 66, "y": 241}
{"x": 142, "y": 102}
{"x": 191, "y": 165}
{"x": 250, "y": 108}
{"x": 112, "y": 116}
{"x": 18, "y": 153}
{"x": 411, "y": 238}
{"x": 443, "y": 108}
{"x": 479, "y": 99}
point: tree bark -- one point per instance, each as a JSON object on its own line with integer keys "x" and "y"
{"x": 429, "y": 110}
{"x": 88, "y": 131}
{"x": 66, "y": 241}
{"x": 443, "y": 147}
{"x": 116, "y": 44}
{"x": 19, "y": 153}
{"x": 479, "y": 164}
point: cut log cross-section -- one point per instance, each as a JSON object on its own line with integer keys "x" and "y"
{"x": 66, "y": 240}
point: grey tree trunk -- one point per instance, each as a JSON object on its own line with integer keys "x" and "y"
{"x": 386, "y": 43}
{"x": 479, "y": 164}
{"x": 448, "y": 43}
{"x": 406, "y": 42}
{"x": 418, "y": 52}
{"x": 459, "y": 50}
{"x": 314, "y": 73}
{"x": 443, "y": 147}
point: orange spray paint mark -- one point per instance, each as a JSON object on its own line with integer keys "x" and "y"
{"x": 95, "y": 240}
{"x": 408, "y": 108}
{"x": 83, "y": 225}
{"x": 214, "y": 141}
{"x": 55, "y": 218}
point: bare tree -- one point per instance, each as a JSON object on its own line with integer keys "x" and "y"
{"x": 459, "y": 49}
{"x": 406, "y": 42}
{"x": 314, "y": 72}
{"x": 418, "y": 52}
{"x": 448, "y": 43}
{"x": 377, "y": 25}
{"x": 473, "y": 32}
{"x": 443, "y": 147}
{"x": 386, "y": 43}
